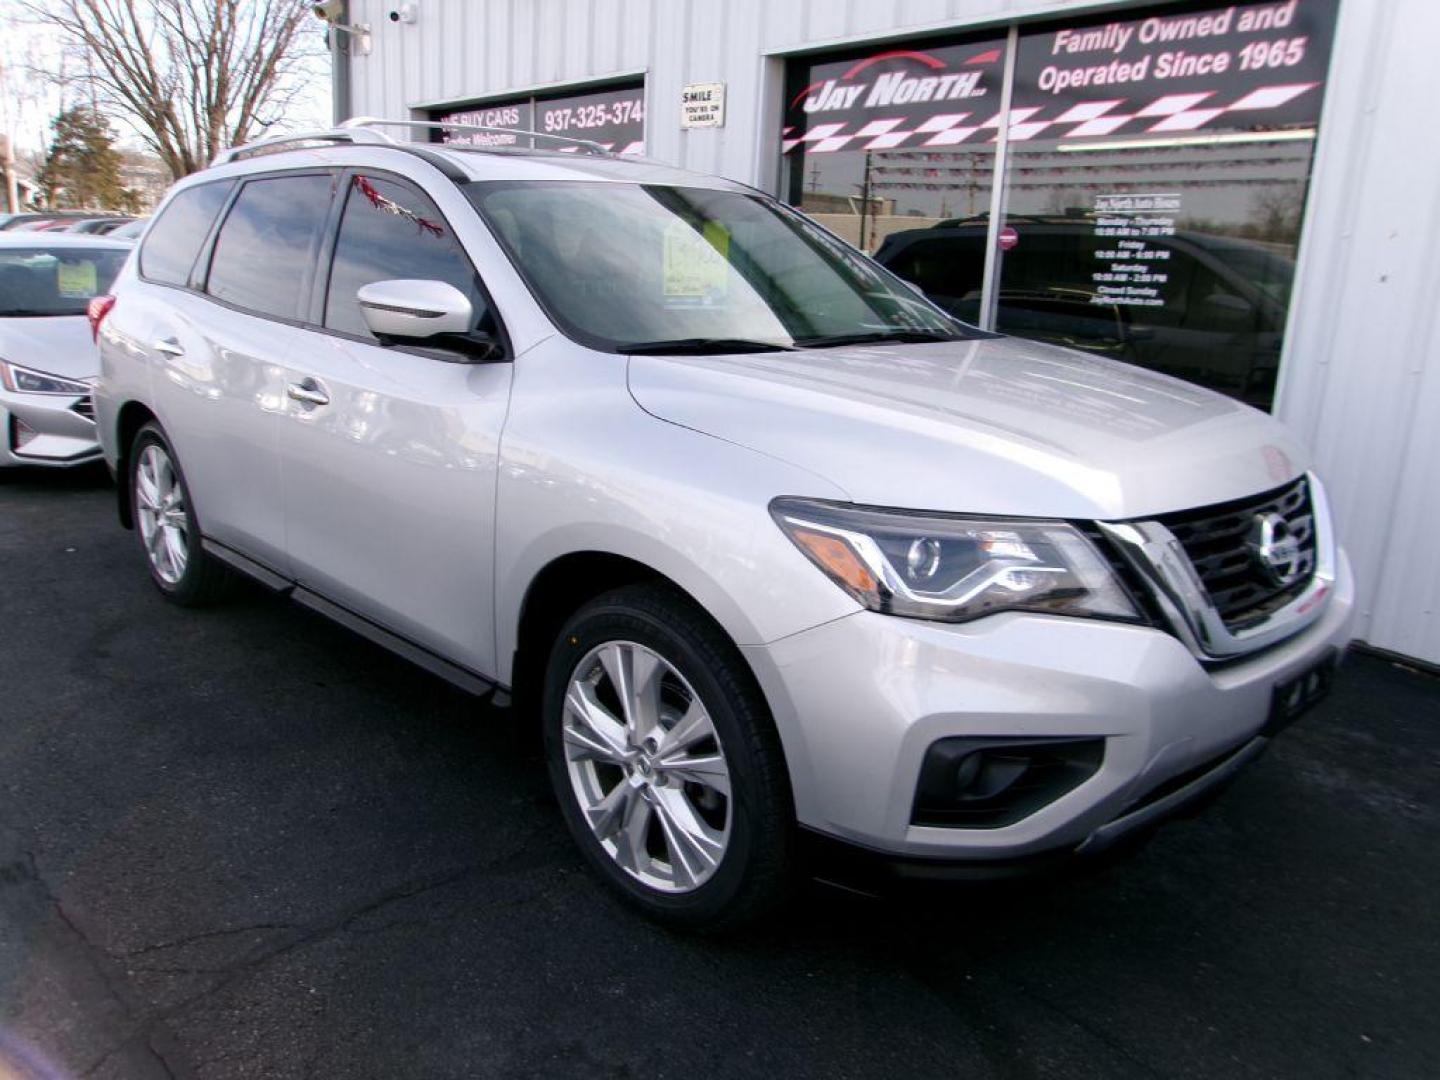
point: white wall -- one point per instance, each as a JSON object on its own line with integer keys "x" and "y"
{"x": 1360, "y": 373}
{"x": 1361, "y": 368}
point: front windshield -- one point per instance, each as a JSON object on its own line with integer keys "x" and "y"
{"x": 624, "y": 266}
{"x": 54, "y": 281}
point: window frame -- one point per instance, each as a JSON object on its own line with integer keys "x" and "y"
{"x": 200, "y": 281}
{"x": 202, "y": 255}
{"x": 325, "y": 268}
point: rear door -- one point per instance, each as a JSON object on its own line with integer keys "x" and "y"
{"x": 220, "y": 345}
{"x": 389, "y": 452}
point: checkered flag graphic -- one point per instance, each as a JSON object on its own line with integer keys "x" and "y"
{"x": 1090, "y": 119}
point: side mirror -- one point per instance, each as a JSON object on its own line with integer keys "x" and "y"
{"x": 407, "y": 309}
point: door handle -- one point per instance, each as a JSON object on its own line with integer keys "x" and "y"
{"x": 308, "y": 392}
{"x": 169, "y": 346}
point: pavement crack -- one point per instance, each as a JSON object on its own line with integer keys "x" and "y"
{"x": 157, "y": 1055}
{"x": 1104, "y": 1038}
{"x": 461, "y": 913}
{"x": 206, "y": 935}
{"x": 302, "y": 936}
{"x": 97, "y": 959}
{"x": 101, "y": 964}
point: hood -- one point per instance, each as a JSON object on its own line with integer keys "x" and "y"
{"x": 991, "y": 426}
{"x": 58, "y": 344}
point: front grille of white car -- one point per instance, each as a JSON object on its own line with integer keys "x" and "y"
{"x": 1217, "y": 539}
{"x": 1231, "y": 578}
{"x": 85, "y": 407}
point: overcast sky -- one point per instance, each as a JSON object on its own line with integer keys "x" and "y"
{"x": 28, "y": 103}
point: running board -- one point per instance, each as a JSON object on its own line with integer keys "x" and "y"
{"x": 418, "y": 655}
{"x": 247, "y": 566}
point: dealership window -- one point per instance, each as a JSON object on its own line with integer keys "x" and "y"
{"x": 612, "y": 116}
{"x": 896, "y": 138}
{"x": 1154, "y": 182}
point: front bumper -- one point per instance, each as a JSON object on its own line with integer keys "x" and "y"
{"x": 859, "y": 701}
{"x": 62, "y": 435}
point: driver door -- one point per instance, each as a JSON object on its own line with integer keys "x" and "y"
{"x": 388, "y": 453}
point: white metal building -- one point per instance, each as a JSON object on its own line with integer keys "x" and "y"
{"x": 1359, "y": 344}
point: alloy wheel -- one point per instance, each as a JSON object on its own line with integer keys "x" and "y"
{"x": 647, "y": 767}
{"x": 160, "y": 510}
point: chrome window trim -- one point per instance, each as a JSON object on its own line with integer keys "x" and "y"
{"x": 1162, "y": 562}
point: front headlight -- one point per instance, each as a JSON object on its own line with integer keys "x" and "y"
{"x": 23, "y": 380}
{"x": 952, "y": 568}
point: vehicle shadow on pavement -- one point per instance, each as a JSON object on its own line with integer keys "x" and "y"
{"x": 44, "y": 480}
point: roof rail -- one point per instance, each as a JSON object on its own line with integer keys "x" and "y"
{"x": 363, "y": 130}
{"x": 369, "y": 123}
{"x": 277, "y": 142}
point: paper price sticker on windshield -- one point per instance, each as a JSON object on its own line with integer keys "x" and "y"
{"x": 695, "y": 268}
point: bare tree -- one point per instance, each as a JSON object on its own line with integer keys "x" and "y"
{"x": 191, "y": 76}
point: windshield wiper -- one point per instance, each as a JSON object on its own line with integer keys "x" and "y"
{"x": 700, "y": 346}
{"x": 872, "y": 337}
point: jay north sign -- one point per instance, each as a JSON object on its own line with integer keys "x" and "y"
{"x": 899, "y": 85}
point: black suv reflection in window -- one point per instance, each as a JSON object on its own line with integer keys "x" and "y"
{"x": 1221, "y": 323}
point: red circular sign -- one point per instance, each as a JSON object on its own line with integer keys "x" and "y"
{"x": 1008, "y": 238}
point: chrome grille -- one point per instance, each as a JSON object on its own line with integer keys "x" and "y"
{"x": 1217, "y": 539}
{"x": 85, "y": 407}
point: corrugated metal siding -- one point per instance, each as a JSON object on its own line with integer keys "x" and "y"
{"x": 460, "y": 50}
{"x": 1360, "y": 377}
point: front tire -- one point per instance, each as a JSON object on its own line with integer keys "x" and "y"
{"x": 665, "y": 760}
{"x": 166, "y": 526}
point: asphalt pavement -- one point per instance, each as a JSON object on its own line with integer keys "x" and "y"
{"x": 244, "y": 843}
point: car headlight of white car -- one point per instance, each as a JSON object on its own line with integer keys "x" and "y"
{"x": 953, "y": 568}
{"x": 23, "y": 380}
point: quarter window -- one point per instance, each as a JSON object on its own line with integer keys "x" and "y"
{"x": 390, "y": 230}
{"x": 265, "y": 249}
{"x": 175, "y": 239}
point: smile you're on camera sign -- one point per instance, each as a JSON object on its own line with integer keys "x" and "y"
{"x": 703, "y": 105}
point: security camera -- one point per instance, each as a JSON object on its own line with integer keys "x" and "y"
{"x": 405, "y": 13}
{"x": 331, "y": 12}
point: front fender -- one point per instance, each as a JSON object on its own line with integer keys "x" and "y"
{"x": 585, "y": 469}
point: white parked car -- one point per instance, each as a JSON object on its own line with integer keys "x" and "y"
{"x": 783, "y": 558}
{"x": 48, "y": 361}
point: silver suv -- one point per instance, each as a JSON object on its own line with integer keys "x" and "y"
{"x": 783, "y": 559}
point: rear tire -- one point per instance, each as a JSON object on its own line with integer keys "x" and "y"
{"x": 679, "y": 800}
{"x": 165, "y": 524}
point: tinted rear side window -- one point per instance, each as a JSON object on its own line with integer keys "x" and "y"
{"x": 177, "y": 235}
{"x": 266, "y": 246}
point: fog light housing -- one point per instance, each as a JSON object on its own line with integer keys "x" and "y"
{"x": 21, "y": 433}
{"x": 988, "y": 783}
